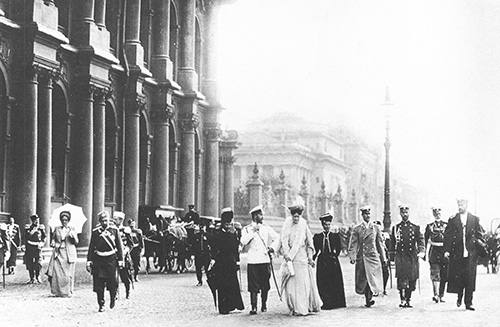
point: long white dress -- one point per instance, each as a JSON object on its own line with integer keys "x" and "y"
{"x": 298, "y": 280}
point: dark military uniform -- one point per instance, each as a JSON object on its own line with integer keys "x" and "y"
{"x": 434, "y": 235}
{"x": 4, "y": 246}
{"x": 35, "y": 239}
{"x": 14, "y": 233}
{"x": 126, "y": 272}
{"x": 105, "y": 250}
{"x": 407, "y": 241}
{"x": 135, "y": 252}
{"x": 201, "y": 252}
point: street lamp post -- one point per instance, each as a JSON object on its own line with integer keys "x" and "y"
{"x": 387, "y": 181}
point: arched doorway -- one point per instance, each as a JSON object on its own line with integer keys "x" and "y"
{"x": 144, "y": 161}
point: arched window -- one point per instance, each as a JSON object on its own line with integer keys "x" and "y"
{"x": 59, "y": 144}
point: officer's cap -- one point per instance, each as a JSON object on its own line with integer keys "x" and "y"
{"x": 296, "y": 208}
{"x": 34, "y": 216}
{"x": 102, "y": 214}
{"x": 403, "y": 206}
{"x": 119, "y": 215}
{"x": 226, "y": 215}
{"x": 365, "y": 209}
{"x": 66, "y": 214}
{"x": 256, "y": 210}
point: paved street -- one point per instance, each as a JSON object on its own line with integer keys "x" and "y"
{"x": 173, "y": 300}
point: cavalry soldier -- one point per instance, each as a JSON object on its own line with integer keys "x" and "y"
{"x": 137, "y": 246}
{"x": 105, "y": 255}
{"x": 462, "y": 237}
{"x": 408, "y": 243}
{"x": 259, "y": 240}
{"x": 35, "y": 239}
{"x": 366, "y": 250}
{"x": 14, "y": 234}
{"x": 434, "y": 236}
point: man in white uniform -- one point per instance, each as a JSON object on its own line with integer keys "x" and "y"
{"x": 259, "y": 241}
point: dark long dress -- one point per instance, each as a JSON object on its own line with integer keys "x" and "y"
{"x": 224, "y": 250}
{"x": 329, "y": 273}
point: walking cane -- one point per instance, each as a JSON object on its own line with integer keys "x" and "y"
{"x": 390, "y": 271}
{"x": 272, "y": 268}
{"x": 3, "y": 275}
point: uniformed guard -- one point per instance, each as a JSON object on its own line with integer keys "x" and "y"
{"x": 137, "y": 247}
{"x": 35, "y": 239}
{"x": 14, "y": 233}
{"x": 408, "y": 243}
{"x": 105, "y": 255}
{"x": 434, "y": 236}
{"x": 125, "y": 272}
{"x": 201, "y": 250}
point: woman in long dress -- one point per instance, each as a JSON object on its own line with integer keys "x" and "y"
{"x": 298, "y": 280}
{"x": 61, "y": 270}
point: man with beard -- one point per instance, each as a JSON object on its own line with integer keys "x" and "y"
{"x": 434, "y": 236}
{"x": 462, "y": 236}
{"x": 365, "y": 250}
{"x": 259, "y": 241}
{"x": 105, "y": 255}
{"x": 408, "y": 243}
{"x": 224, "y": 252}
{"x": 327, "y": 246}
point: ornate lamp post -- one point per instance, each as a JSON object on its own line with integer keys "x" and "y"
{"x": 387, "y": 181}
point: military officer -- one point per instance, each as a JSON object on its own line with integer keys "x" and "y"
{"x": 14, "y": 233}
{"x": 434, "y": 236}
{"x": 35, "y": 239}
{"x": 125, "y": 272}
{"x": 201, "y": 251}
{"x": 408, "y": 243}
{"x": 105, "y": 255}
{"x": 137, "y": 247}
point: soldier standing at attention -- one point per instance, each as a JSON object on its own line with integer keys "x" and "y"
{"x": 408, "y": 244}
{"x": 434, "y": 236}
{"x": 104, "y": 257}
{"x": 35, "y": 239}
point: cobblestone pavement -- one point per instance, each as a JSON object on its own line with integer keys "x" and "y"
{"x": 173, "y": 300}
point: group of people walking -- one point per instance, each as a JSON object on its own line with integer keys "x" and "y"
{"x": 452, "y": 249}
{"x": 310, "y": 277}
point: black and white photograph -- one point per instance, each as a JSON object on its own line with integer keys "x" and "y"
{"x": 249, "y": 163}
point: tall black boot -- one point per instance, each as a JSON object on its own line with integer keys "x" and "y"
{"x": 127, "y": 290}
{"x": 100, "y": 300}
{"x": 253, "y": 303}
{"x": 442, "y": 285}
{"x": 32, "y": 276}
{"x": 112, "y": 298}
{"x": 263, "y": 297}
{"x": 408, "y": 298}
{"x": 402, "y": 298}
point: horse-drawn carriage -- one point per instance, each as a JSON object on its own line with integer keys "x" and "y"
{"x": 165, "y": 239}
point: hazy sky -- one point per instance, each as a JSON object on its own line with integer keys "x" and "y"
{"x": 330, "y": 60}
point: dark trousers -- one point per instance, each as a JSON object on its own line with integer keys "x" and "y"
{"x": 368, "y": 294}
{"x": 135, "y": 254}
{"x": 100, "y": 284}
{"x": 32, "y": 260}
{"x": 468, "y": 296}
{"x": 201, "y": 260}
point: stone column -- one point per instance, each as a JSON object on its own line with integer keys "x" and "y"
{"x": 132, "y": 144}
{"x": 338, "y": 204}
{"x": 100, "y": 13}
{"x": 254, "y": 186}
{"x": 211, "y": 205}
{"x": 323, "y": 208}
{"x": 161, "y": 65}
{"x": 187, "y": 160}
{"x": 133, "y": 48}
{"x": 44, "y": 158}
{"x": 82, "y": 17}
{"x": 99, "y": 152}
{"x": 353, "y": 208}
{"x": 282, "y": 193}
{"x": 83, "y": 154}
{"x": 26, "y": 142}
{"x": 186, "y": 73}
{"x": 161, "y": 157}
{"x": 228, "y": 144}
{"x": 304, "y": 193}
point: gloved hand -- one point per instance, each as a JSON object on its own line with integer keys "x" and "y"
{"x": 89, "y": 266}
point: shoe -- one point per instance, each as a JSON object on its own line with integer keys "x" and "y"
{"x": 385, "y": 292}
{"x": 253, "y": 311}
{"x": 369, "y": 303}
{"x": 199, "y": 284}
{"x": 469, "y": 307}
{"x": 38, "y": 280}
{"x": 263, "y": 309}
{"x": 112, "y": 303}
{"x": 31, "y": 281}
{"x": 441, "y": 299}
{"x": 136, "y": 279}
{"x": 459, "y": 302}
{"x": 435, "y": 299}
{"x": 101, "y": 308}
{"x": 127, "y": 294}
{"x": 402, "y": 304}
{"x": 408, "y": 305}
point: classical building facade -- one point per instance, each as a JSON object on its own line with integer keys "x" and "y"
{"x": 110, "y": 104}
{"x": 327, "y": 168}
